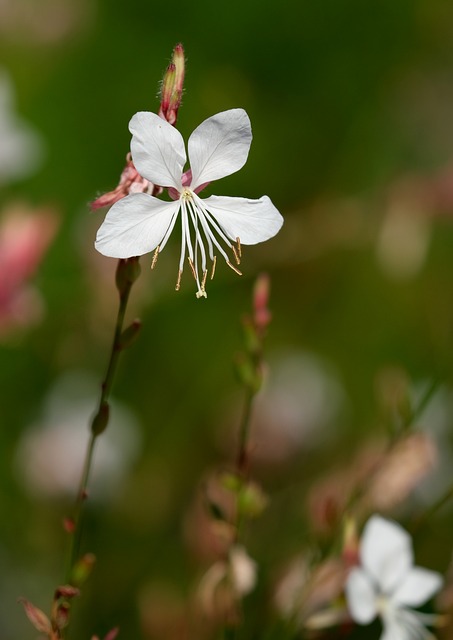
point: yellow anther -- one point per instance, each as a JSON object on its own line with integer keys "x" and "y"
{"x": 238, "y": 240}
{"x": 155, "y": 256}
{"x": 234, "y": 268}
{"x": 178, "y": 282}
{"x": 236, "y": 254}
{"x": 214, "y": 261}
{"x": 203, "y": 280}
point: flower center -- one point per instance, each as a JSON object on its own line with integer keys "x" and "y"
{"x": 186, "y": 194}
{"x": 383, "y": 604}
{"x": 202, "y": 235}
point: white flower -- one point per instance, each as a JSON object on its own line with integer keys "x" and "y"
{"x": 387, "y": 583}
{"x": 21, "y": 147}
{"x": 140, "y": 223}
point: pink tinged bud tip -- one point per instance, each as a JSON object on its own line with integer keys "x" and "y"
{"x": 261, "y": 292}
{"x": 37, "y": 617}
{"x": 172, "y": 86}
{"x": 69, "y": 525}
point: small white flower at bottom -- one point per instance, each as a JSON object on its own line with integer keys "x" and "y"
{"x": 387, "y": 584}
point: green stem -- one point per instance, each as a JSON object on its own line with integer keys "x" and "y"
{"x": 423, "y": 402}
{"x": 244, "y": 429}
{"x": 101, "y": 418}
{"x": 427, "y": 515}
{"x": 229, "y": 633}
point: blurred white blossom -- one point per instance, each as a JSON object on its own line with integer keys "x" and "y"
{"x": 226, "y": 582}
{"x": 387, "y": 584}
{"x": 403, "y": 241}
{"x": 50, "y": 453}
{"x": 21, "y": 147}
{"x": 301, "y": 401}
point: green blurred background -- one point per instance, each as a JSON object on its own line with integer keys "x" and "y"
{"x": 351, "y": 105}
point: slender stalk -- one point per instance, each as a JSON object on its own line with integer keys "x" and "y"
{"x": 427, "y": 515}
{"x": 229, "y": 633}
{"x": 127, "y": 272}
{"x": 423, "y": 402}
{"x": 244, "y": 428}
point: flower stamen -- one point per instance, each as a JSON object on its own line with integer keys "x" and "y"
{"x": 203, "y": 281}
{"x": 178, "y": 282}
{"x": 236, "y": 254}
{"x": 234, "y": 268}
{"x": 209, "y": 233}
{"x": 214, "y": 262}
{"x": 238, "y": 241}
{"x": 155, "y": 256}
{"x": 192, "y": 267}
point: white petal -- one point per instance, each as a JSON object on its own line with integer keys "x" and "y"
{"x": 391, "y": 632}
{"x": 157, "y": 149}
{"x": 404, "y": 624}
{"x": 386, "y": 552}
{"x": 394, "y": 629}
{"x": 418, "y": 586}
{"x": 134, "y": 225}
{"x": 252, "y": 221}
{"x": 219, "y": 146}
{"x": 361, "y": 597}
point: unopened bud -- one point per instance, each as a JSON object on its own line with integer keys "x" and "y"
{"x": 127, "y": 272}
{"x": 129, "y": 334}
{"x": 172, "y": 86}
{"x": 101, "y": 419}
{"x": 66, "y": 591}
{"x": 168, "y": 83}
{"x": 252, "y": 500}
{"x": 69, "y": 525}
{"x": 37, "y": 617}
{"x": 231, "y": 482}
{"x": 83, "y": 568}
{"x": 62, "y": 615}
{"x": 251, "y": 337}
{"x": 261, "y": 314}
{"x": 112, "y": 634}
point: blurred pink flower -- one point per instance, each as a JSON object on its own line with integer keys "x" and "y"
{"x": 25, "y": 235}
{"x": 305, "y": 589}
{"x": 51, "y": 451}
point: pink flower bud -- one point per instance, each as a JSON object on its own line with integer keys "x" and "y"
{"x": 25, "y": 235}
{"x": 37, "y": 617}
{"x": 69, "y": 525}
{"x": 171, "y": 94}
{"x": 130, "y": 182}
{"x": 172, "y": 86}
{"x": 261, "y": 314}
{"x": 66, "y": 591}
